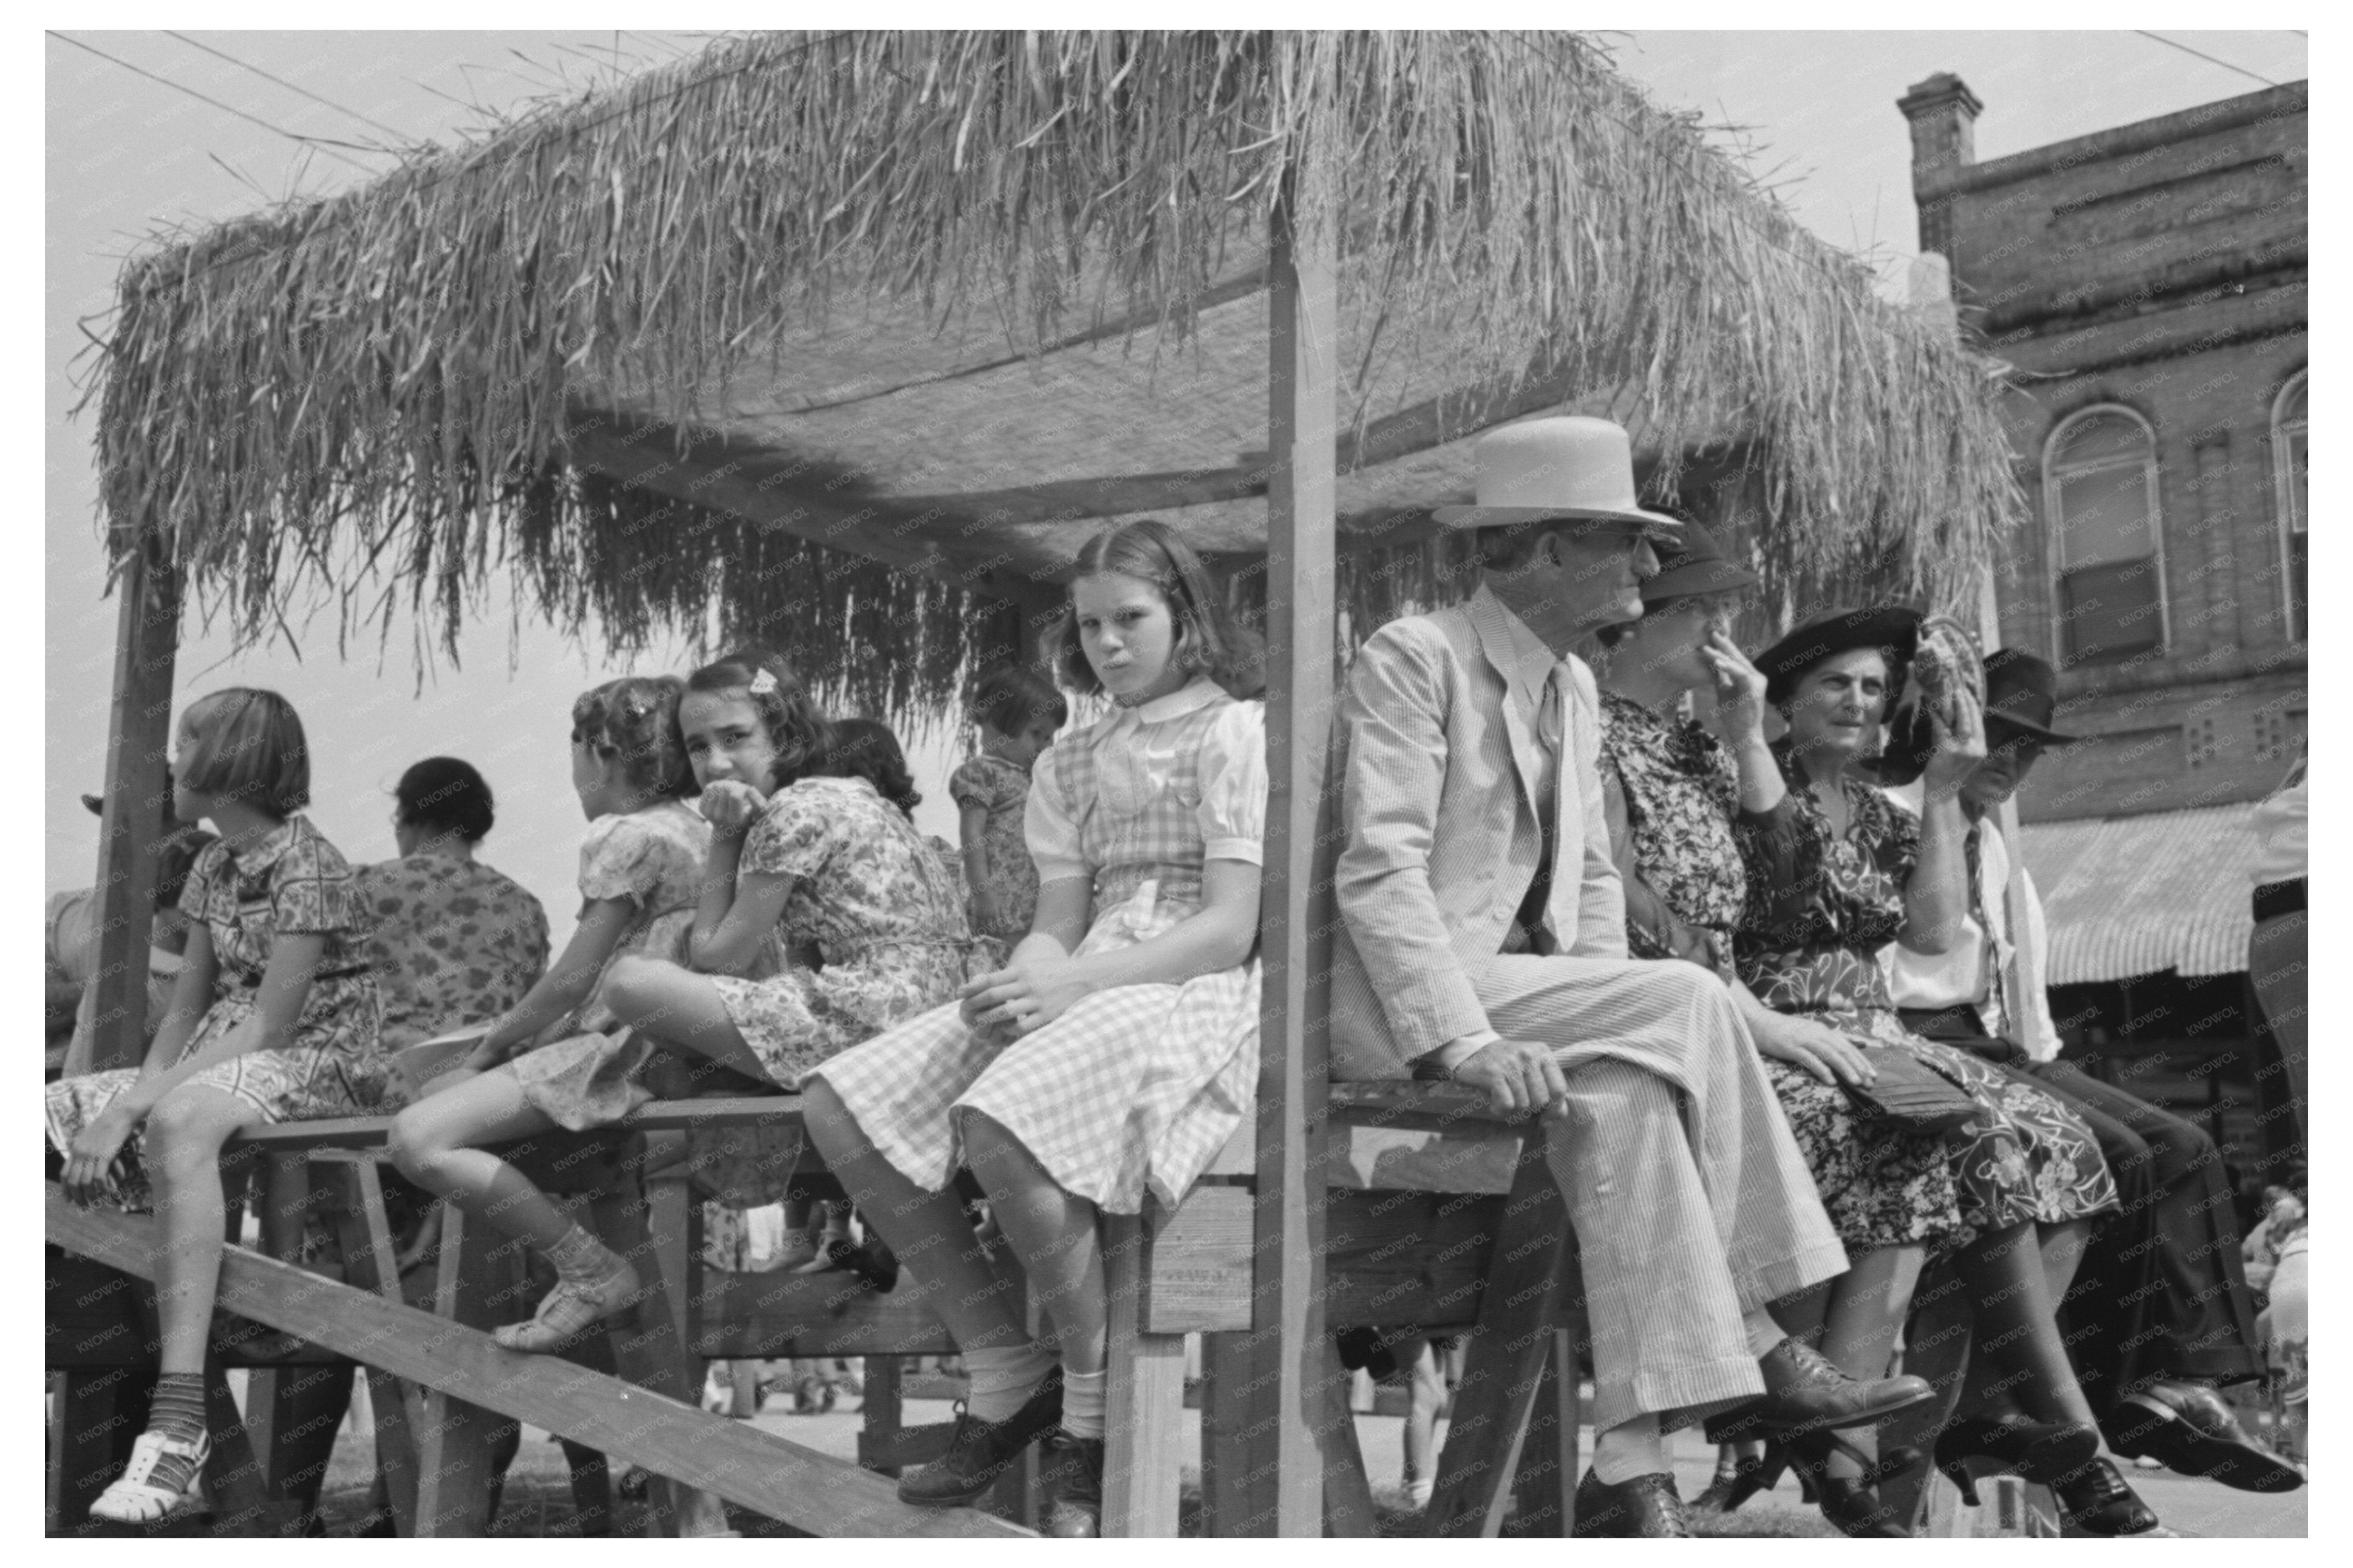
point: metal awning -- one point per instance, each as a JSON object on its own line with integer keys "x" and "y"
{"x": 2139, "y": 895}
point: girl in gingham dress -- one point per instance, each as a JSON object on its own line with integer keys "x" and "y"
{"x": 1117, "y": 1050}
{"x": 275, "y": 1018}
{"x": 561, "y": 1057}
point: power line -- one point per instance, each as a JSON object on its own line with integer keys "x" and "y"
{"x": 247, "y": 65}
{"x": 2203, "y": 55}
{"x": 324, "y": 143}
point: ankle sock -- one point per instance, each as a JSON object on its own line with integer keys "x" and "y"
{"x": 1416, "y": 1492}
{"x": 1003, "y": 1380}
{"x": 178, "y": 1408}
{"x": 1083, "y": 1402}
{"x": 1629, "y": 1449}
{"x": 1763, "y": 1332}
{"x": 580, "y": 1255}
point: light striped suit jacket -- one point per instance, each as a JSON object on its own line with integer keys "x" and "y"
{"x": 1438, "y": 769}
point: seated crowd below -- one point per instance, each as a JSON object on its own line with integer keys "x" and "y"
{"x": 1757, "y": 980}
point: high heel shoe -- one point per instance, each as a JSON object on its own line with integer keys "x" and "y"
{"x": 2041, "y": 1451}
{"x": 1849, "y": 1502}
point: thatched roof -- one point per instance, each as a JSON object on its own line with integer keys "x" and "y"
{"x": 842, "y": 332}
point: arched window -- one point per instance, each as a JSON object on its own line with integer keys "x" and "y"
{"x": 2291, "y": 470}
{"x": 2099, "y": 489}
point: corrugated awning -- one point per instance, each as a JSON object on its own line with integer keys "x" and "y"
{"x": 2139, "y": 895}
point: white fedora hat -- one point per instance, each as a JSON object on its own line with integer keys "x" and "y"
{"x": 1566, "y": 467}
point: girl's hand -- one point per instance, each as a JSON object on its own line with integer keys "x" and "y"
{"x": 481, "y": 1059}
{"x": 731, "y": 806}
{"x": 1739, "y": 687}
{"x": 97, "y": 1151}
{"x": 1022, "y": 998}
{"x": 1960, "y": 746}
{"x": 1816, "y": 1048}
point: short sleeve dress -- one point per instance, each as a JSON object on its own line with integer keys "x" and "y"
{"x": 292, "y": 883}
{"x": 655, "y": 859}
{"x": 1002, "y": 790}
{"x": 1136, "y": 1088}
{"x": 454, "y": 942}
{"x": 1819, "y": 910}
{"x": 1686, "y": 888}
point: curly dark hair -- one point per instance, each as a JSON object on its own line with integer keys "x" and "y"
{"x": 797, "y": 726}
{"x": 866, "y": 748}
{"x": 1208, "y": 638}
{"x": 1011, "y": 695}
{"x": 445, "y": 795}
{"x": 635, "y": 719}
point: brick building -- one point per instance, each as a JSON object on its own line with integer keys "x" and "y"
{"x": 2149, "y": 282}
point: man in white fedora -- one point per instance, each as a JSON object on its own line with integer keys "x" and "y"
{"x": 1483, "y": 940}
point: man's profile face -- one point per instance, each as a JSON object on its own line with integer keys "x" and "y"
{"x": 1596, "y": 573}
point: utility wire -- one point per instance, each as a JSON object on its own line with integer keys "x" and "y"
{"x": 2203, "y": 55}
{"x": 400, "y": 136}
{"x": 324, "y": 143}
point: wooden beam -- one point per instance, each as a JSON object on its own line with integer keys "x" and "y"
{"x": 138, "y": 744}
{"x": 1283, "y": 1469}
{"x": 733, "y": 1459}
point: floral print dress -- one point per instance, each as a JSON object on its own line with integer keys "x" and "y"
{"x": 1819, "y": 910}
{"x": 454, "y": 944}
{"x": 1002, "y": 790}
{"x": 291, "y": 883}
{"x": 1685, "y": 890}
{"x": 654, "y": 858}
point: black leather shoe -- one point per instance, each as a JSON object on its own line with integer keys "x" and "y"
{"x": 979, "y": 1450}
{"x": 1073, "y": 1480}
{"x": 1644, "y": 1509}
{"x": 1804, "y": 1392}
{"x": 2159, "y": 1424}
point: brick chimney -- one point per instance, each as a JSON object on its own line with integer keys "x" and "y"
{"x": 1944, "y": 115}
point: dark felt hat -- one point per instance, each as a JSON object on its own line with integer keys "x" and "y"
{"x": 2021, "y": 693}
{"x": 1694, "y": 564}
{"x": 1889, "y": 627}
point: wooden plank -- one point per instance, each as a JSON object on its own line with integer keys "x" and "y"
{"x": 660, "y": 1116}
{"x": 734, "y": 1460}
{"x": 1348, "y": 1512}
{"x": 1285, "y": 1467}
{"x": 1144, "y": 1413}
{"x": 1504, "y": 1365}
{"x": 139, "y": 741}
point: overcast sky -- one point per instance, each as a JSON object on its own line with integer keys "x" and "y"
{"x": 128, "y": 156}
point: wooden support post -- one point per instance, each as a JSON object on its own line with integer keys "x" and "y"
{"x": 138, "y": 744}
{"x": 1225, "y": 1370}
{"x": 1282, "y": 1469}
{"x": 456, "y": 1472}
{"x": 1145, "y": 1416}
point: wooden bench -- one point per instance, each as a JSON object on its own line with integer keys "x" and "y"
{"x": 1420, "y": 1179}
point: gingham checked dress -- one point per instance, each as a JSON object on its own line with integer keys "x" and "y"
{"x": 1137, "y": 1086}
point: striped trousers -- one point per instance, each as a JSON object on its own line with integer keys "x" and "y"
{"x": 1690, "y": 1202}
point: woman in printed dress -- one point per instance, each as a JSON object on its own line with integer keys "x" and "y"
{"x": 1672, "y": 792}
{"x": 1831, "y": 882}
{"x": 1116, "y": 1051}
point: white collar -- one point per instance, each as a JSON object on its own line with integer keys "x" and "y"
{"x": 1193, "y": 696}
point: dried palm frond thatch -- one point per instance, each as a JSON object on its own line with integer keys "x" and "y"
{"x": 379, "y": 387}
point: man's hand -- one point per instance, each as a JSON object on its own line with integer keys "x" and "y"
{"x": 1816, "y": 1048}
{"x": 1519, "y": 1077}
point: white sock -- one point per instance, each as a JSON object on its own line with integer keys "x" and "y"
{"x": 1003, "y": 1380}
{"x": 1083, "y": 1402}
{"x": 1416, "y": 1492}
{"x": 1763, "y": 1332}
{"x": 1632, "y": 1448}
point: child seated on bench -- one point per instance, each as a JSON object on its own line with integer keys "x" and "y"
{"x": 641, "y": 870}
{"x": 275, "y": 1018}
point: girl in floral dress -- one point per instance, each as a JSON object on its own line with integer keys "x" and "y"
{"x": 1116, "y": 1051}
{"x": 274, "y": 1019}
{"x": 641, "y": 868}
{"x": 1831, "y": 882}
{"x": 1017, "y": 711}
{"x": 1672, "y": 793}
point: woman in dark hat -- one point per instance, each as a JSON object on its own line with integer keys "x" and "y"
{"x": 1829, "y": 883}
{"x": 1673, "y": 792}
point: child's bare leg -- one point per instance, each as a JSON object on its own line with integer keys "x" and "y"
{"x": 437, "y": 1145}
{"x": 928, "y": 1230}
{"x": 185, "y": 1134}
{"x": 1054, "y": 1236}
{"x": 679, "y": 1008}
